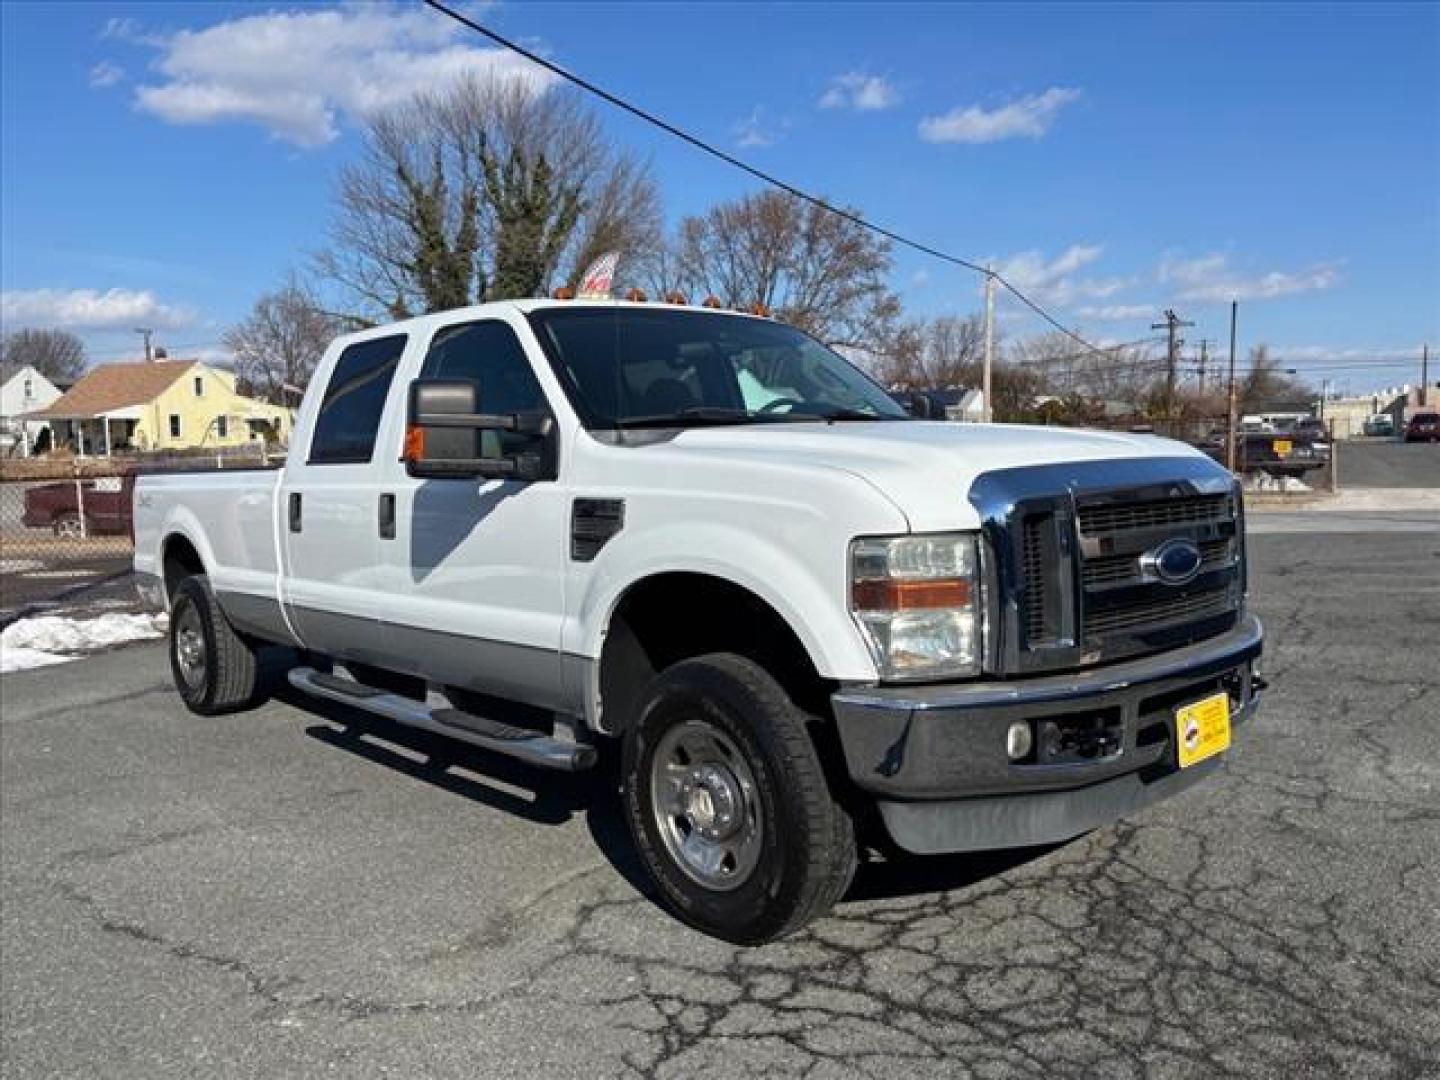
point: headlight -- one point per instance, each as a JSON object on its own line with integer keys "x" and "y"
{"x": 916, "y": 600}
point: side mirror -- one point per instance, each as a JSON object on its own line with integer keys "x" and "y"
{"x": 444, "y": 436}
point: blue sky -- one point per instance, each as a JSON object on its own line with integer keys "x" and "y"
{"x": 165, "y": 163}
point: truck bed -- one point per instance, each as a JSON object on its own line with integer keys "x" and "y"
{"x": 238, "y": 537}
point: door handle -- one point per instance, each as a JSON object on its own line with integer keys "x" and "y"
{"x": 295, "y": 511}
{"x": 387, "y": 515}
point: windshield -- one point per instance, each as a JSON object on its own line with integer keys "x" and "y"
{"x": 637, "y": 367}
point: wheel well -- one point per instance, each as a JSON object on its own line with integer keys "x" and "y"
{"x": 669, "y": 617}
{"x": 180, "y": 561}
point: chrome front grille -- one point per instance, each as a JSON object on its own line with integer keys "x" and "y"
{"x": 1104, "y": 570}
{"x": 1108, "y": 518}
{"x": 1066, "y": 585}
{"x": 1085, "y": 594}
{"x": 1161, "y": 612}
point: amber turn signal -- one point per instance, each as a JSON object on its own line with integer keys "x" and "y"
{"x": 901, "y": 595}
{"x": 414, "y": 444}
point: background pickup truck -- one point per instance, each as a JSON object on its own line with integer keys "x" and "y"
{"x": 813, "y": 624}
{"x": 1288, "y": 452}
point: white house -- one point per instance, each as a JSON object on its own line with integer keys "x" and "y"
{"x": 26, "y": 390}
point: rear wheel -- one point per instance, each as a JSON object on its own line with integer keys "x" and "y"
{"x": 68, "y": 527}
{"x": 215, "y": 669}
{"x": 729, "y": 805}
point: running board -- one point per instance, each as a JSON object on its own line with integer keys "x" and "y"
{"x": 521, "y": 743}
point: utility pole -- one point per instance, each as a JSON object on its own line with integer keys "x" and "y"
{"x": 145, "y": 332}
{"x": 1233, "y": 420}
{"x": 989, "y": 409}
{"x": 1172, "y": 324}
{"x": 1424, "y": 375}
{"x": 1204, "y": 362}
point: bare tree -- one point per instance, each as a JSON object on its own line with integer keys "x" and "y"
{"x": 812, "y": 268}
{"x": 940, "y": 353}
{"x": 1266, "y": 382}
{"x": 278, "y": 345}
{"x": 484, "y": 189}
{"x": 56, "y": 354}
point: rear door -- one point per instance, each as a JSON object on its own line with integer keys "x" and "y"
{"x": 327, "y": 503}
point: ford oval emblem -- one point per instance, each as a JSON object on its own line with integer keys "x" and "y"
{"x": 1174, "y": 562}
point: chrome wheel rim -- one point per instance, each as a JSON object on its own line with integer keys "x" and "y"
{"x": 69, "y": 528}
{"x": 705, "y": 805}
{"x": 190, "y": 647}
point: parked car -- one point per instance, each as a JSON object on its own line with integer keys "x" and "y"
{"x": 809, "y": 619}
{"x": 1381, "y": 424}
{"x": 107, "y": 503}
{"x": 1277, "y": 453}
{"x": 1423, "y": 427}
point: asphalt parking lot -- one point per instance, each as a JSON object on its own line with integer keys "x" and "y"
{"x": 285, "y": 893}
{"x": 1388, "y": 463}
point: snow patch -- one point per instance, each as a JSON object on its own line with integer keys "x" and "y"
{"x": 1260, "y": 481}
{"x": 54, "y": 639}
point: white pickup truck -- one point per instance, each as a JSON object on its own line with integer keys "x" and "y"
{"x": 806, "y": 617}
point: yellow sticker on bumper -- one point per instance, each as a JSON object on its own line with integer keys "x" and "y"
{"x": 1202, "y": 729}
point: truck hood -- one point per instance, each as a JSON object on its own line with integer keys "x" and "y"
{"x": 925, "y": 468}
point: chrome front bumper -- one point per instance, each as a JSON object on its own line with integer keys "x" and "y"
{"x": 934, "y": 757}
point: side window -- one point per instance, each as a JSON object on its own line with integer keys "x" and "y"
{"x": 175, "y": 425}
{"x": 491, "y": 354}
{"x": 354, "y": 401}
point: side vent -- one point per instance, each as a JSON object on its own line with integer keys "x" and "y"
{"x": 592, "y": 523}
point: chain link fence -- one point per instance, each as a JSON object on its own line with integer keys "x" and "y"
{"x": 58, "y": 511}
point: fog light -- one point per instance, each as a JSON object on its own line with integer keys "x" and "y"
{"x": 1018, "y": 740}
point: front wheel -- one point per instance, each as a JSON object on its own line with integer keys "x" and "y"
{"x": 728, "y": 803}
{"x": 215, "y": 669}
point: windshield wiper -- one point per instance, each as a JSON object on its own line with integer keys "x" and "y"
{"x": 694, "y": 414}
{"x": 843, "y": 414}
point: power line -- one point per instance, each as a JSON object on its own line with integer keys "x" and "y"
{"x": 759, "y": 174}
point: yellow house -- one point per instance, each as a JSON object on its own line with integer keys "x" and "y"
{"x": 161, "y": 405}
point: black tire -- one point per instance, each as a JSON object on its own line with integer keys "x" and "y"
{"x": 806, "y": 841}
{"x": 225, "y": 674}
{"x": 67, "y": 527}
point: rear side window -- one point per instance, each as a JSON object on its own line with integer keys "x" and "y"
{"x": 354, "y": 402}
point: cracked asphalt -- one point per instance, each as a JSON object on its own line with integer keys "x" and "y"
{"x": 291, "y": 893}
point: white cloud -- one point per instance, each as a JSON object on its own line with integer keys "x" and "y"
{"x": 1027, "y": 117}
{"x": 88, "y": 309}
{"x": 856, "y": 90}
{"x": 298, "y": 73}
{"x": 920, "y": 279}
{"x": 1211, "y": 278}
{"x": 1053, "y": 281}
{"x": 758, "y": 129}
{"x": 1116, "y": 312}
{"x": 105, "y": 74}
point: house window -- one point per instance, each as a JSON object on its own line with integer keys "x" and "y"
{"x": 199, "y": 386}
{"x": 174, "y": 425}
{"x": 222, "y": 427}
{"x": 29, "y": 389}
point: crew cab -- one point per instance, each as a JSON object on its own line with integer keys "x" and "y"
{"x": 813, "y": 624}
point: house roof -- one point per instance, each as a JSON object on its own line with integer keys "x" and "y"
{"x": 115, "y": 386}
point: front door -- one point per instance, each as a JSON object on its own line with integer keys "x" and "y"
{"x": 327, "y": 512}
{"x": 473, "y": 574}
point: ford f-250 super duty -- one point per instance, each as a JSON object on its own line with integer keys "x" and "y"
{"x": 537, "y": 525}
